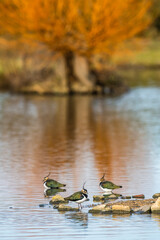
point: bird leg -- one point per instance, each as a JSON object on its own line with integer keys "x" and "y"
{"x": 79, "y": 206}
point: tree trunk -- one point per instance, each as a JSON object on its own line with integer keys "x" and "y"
{"x": 78, "y": 74}
{"x": 69, "y": 65}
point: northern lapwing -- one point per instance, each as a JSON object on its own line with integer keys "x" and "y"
{"x": 50, "y": 183}
{"x": 79, "y": 197}
{"x": 107, "y": 186}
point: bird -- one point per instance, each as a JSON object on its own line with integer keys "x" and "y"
{"x": 79, "y": 197}
{"x": 107, "y": 186}
{"x": 50, "y": 183}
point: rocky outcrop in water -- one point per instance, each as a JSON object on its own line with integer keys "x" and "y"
{"x": 130, "y": 206}
{"x": 155, "y": 208}
{"x": 111, "y": 205}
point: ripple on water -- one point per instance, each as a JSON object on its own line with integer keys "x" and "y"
{"x": 77, "y": 139}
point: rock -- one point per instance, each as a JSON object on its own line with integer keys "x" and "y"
{"x": 103, "y": 209}
{"x": 97, "y": 209}
{"x": 143, "y": 209}
{"x": 57, "y": 199}
{"x": 155, "y": 208}
{"x": 98, "y": 198}
{"x": 107, "y": 210}
{"x": 110, "y": 196}
{"x": 138, "y": 196}
{"x": 126, "y": 207}
{"x": 120, "y": 209}
{"x": 65, "y": 208}
{"x": 156, "y": 195}
{"x": 126, "y": 197}
{"x": 43, "y": 205}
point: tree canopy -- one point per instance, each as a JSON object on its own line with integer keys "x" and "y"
{"x": 78, "y": 26}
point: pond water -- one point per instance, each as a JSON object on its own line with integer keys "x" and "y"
{"x": 77, "y": 139}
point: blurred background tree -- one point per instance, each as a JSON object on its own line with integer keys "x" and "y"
{"x": 155, "y": 12}
{"x": 77, "y": 29}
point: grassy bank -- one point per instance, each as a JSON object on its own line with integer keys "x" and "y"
{"x": 138, "y": 64}
{"x": 143, "y": 52}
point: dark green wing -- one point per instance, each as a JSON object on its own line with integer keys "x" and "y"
{"x": 54, "y": 184}
{"x": 75, "y": 196}
{"x": 109, "y": 185}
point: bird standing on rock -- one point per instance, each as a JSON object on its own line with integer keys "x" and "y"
{"x": 79, "y": 197}
{"x": 50, "y": 183}
{"x": 107, "y": 186}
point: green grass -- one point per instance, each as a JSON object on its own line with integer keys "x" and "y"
{"x": 147, "y": 54}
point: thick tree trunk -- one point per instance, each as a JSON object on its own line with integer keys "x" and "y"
{"x": 78, "y": 74}
{"x": 69, "y": 65}
{"x": 72, "y": 74}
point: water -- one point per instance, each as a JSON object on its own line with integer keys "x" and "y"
{"x": 77, "y": 139}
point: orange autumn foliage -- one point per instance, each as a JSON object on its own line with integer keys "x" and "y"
{"x": 84, "y": 27}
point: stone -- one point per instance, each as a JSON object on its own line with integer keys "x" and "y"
{"x": 97, "y": 209}
{"x": 110, "y": 196}
{"x": 138, "y": 196}
{"x": 43, "y": 205}
{"x": 155, "y": 208}
{"x": 126, "y": 197}
{"x": 156, "y": 195}
{"x": 57, "y": 199}
{"x": 140, "y": 206}
{"x": 120, "y": 209}
{"x": 65, "y": 208}
{"x": 143, "y": 209}
{"x": 98, "y": 198}
{"x": 107, "y": 210}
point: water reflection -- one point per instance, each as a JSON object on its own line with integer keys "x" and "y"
{"x": 156, "y": 218}
{"x": 53, "y": 191}
{"x": 62, "y": 136}
{"x": 78, "y": 218}
{"x": 77, "y": 139}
